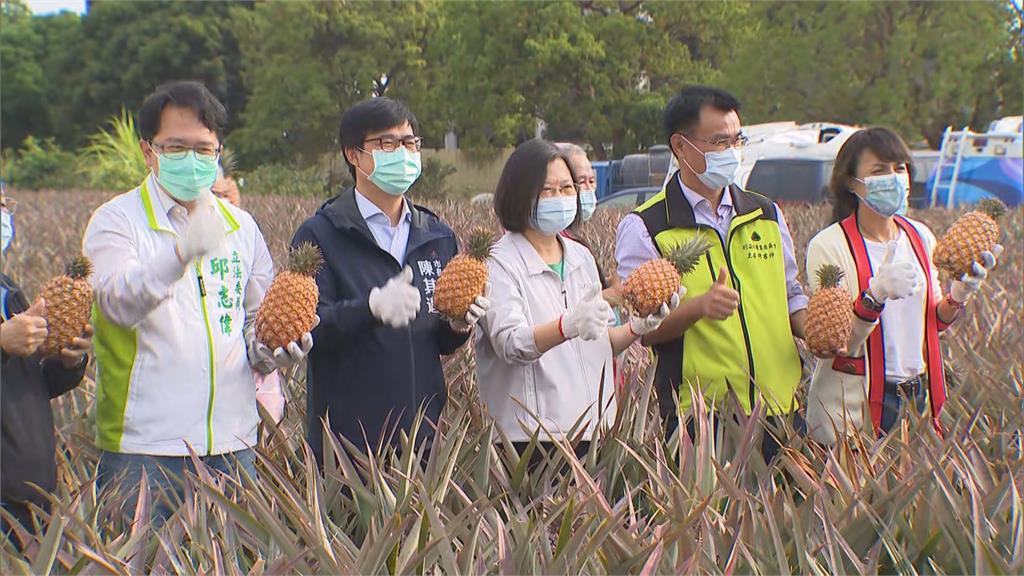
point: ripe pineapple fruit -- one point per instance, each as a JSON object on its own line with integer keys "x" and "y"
{"x": 289, "y": 308}
{"x": 465, "y": 276}
{"x": 68, "y": 305}
{"x": 829, "y": 313}
{"x": 653, "y": 283}
{"x": 971, "y": 234}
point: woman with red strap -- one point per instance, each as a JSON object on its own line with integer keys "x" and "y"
{"x": 894, "y": 353}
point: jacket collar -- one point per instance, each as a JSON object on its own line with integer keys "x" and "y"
{"x": 680, "y": 211}
{"x": 156, "y": 205}
{"x": 344, "y": 214}
{"x": 573, "y": 259}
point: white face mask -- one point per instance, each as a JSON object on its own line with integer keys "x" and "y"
{"x": 721, "y": 168}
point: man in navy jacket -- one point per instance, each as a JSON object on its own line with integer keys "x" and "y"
{"x": 377, "y": 358}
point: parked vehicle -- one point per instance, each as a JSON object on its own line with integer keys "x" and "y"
{"x": 629, "y": 198}
{"x": 973, "y": 166}
{"x": 792, "y": 179}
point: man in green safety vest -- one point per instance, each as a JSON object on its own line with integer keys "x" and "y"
{"x": 734, "y": 331}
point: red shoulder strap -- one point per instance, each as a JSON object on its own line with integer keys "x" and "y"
{"x": 933, "y": 352}
{"x": 876, "y": 343}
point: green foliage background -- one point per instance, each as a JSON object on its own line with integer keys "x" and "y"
{"x": 595, "y": 71}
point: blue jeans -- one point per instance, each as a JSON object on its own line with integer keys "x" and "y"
{"x": 898, "y": 392}
{"x": 165, "y": 476}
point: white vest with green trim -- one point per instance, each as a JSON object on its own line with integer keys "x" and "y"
{"x": 180, "y": 377}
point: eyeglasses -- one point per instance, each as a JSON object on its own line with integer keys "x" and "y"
{"x": 390, "y": 143}
{"x": 723, "y": 143}
{"x": 563, "y": 190}
{"x": 179, "y": 151}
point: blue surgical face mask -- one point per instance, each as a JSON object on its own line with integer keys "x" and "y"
{"x": 7, "y": 221}
{"x": 720, "y": 168}
{"x": 887, "y": 193}
{"x": 394, "y": 172}
{"x": 552, "y": 215}
{"x": 588, "y": 203}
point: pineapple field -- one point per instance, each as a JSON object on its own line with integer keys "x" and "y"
{"x": 637, "y": 502}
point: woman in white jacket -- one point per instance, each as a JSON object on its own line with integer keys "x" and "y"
{"x": 544, "y": 350}
{"x": 899, "y": 310}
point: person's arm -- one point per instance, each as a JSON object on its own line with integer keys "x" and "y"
{"x": 60, "y": 378}
{"x": 633, "y": 246}
{"x": 795, "y": 297}
{"x": 127, "y": 290}
{"x": 513, "y": 338}
{"x": 341, "y": 319}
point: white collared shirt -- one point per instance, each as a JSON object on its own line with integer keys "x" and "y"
{"x": 392, "y": 239}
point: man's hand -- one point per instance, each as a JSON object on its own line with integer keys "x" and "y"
{"x": 397, "y": 302}
{"x": 23, "y": 334}
{"x": 265, "y": 360}
{"x": 73, "y": 356}
{"x": 476, "y": 311}
{"x": 720, "y": 301}
{"x": 203, "y": 233}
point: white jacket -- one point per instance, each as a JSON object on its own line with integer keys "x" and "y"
{"x": 172, "y": 369}
{"x": 837, "y": 401}
{"x": 516, "y": 381}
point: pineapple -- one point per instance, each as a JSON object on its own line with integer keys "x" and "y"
{"x": 654, "y": 282}
{"x": 68, "y": 305}
{"x": 464, "y": 277}
{"x": 971, "y": 234}
{"x": 829, "y": 313}
{"x": 289, "y": 308}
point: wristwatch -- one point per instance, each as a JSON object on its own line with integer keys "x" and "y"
{"x": 869, "y": 302}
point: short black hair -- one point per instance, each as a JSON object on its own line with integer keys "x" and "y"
{"x": 369, "y": 116}
{"x": 522, "y": 179}
{"x": 682, "y": 113}
{"x": 187, "y": 94}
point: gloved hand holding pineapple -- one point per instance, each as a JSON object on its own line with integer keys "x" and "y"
{"x": 281, "y": 336}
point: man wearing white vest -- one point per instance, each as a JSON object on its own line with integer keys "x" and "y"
{"x": 179, "y": 276}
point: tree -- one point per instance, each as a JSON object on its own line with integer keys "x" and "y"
{"x": 129, "y": 48}
{"x": 304, "y": 63}
{"x": 23, "y": 90}
{"x": 915, "y": 66}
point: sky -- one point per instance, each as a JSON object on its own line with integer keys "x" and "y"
{"x": 53, "y": 6}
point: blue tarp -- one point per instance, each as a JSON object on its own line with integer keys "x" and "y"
{"x": 980, "y": 178}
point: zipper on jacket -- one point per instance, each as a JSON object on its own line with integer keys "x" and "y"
{"x": 577, "y": 345}
{"x": 739, "y": 308}
{"x": 209, "y": 342}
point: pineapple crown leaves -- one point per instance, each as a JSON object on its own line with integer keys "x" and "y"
{"x": 993, "y": 207}
{"x": 305, "y": 259}
{"x": 829, "y": 275}
{"x": 686, "y": 255}
{"x": 79, "y": 267}
{"x": 479, "y": 242}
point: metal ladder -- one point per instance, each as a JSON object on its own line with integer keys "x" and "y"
{"x": 950, "y": 139}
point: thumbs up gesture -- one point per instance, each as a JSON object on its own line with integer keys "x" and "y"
{"x": 720, "y": 301}
{"x": 23, "y": 334}
{"x": 895, "y": 280}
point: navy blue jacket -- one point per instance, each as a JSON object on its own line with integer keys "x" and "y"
{"x": 28, "y": 447}
{"x": 367, "y": 378}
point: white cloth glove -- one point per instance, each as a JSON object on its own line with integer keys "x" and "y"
{"x": 265, "y": 360}
{"x": 476, "y": 311}
{"x": 589, "y": 318}
{"x": 203, "y": 233}
{"x": 895, "y": 280}
{"x": 642, "y": 326}
{"x": 968, "y": 285}
{"x": 396, "y": 303}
